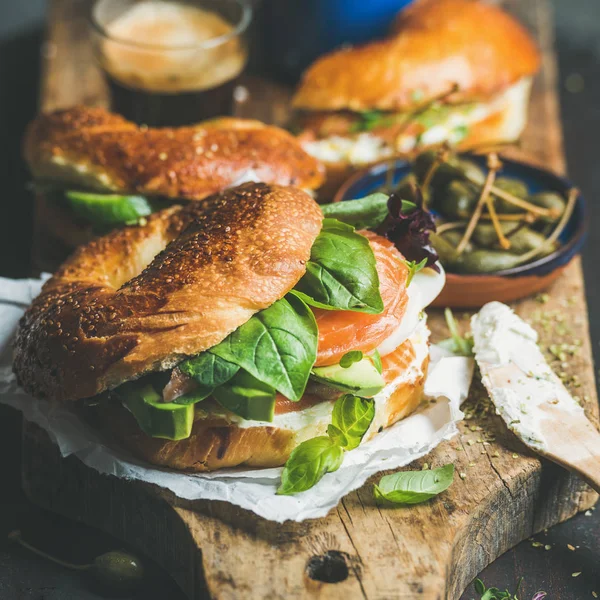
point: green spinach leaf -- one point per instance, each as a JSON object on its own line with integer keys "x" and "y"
{"x": 208, "y": 369}
{"x": 307, "y": 464}
{"x": 341, "y": 273}
{"x": 278, "y": 346}
{"x": 352, "y": 416}
{"x": 414, "y": 487}
{"x": 363, "y": 213}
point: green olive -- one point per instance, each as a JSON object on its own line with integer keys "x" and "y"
{"x": 485, "y": 261}
{"x": 513, "y": 186}
{"x": 118, "y": 570}
{"x": 485, "y": 235}
{"x": 549, "y": 200}
{"x": 456, "y": 201}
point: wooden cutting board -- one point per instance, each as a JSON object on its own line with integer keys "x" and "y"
{"x": 212, "y": 549}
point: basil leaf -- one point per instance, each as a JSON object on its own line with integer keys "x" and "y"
{"x": 413, "y": 268}
{"x": 341, "y": 273}
{"x": 307, "y": 464}
{"x": 352, "y": 416}
{"x": 278, "y": 346}
{"x": 376, "y": 358}
{"x": 350, "y": 358}
{"x": 414, "y": 487}
{"x": 208, "y": 369}
{"x": 247, "y": 397}
{"x": 336, "y": 436}
{"x": 363, "y": 213}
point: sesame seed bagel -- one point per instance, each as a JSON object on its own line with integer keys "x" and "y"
{"x": 91, "y": 147}
{"x": 144, "y": 298}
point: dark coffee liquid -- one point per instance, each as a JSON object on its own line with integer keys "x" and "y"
{"x": 155, "y": 109}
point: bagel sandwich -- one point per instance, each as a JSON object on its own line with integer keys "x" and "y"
{"x": 94, "y": 170}
{"x": 230, "y": 331}
{"x": 457, "y": 71}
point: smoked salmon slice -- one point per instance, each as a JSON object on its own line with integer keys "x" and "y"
{"x": 342, "y": 331}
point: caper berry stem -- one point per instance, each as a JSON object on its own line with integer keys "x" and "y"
{"x": 573, "y": 194}
{"x": 493, "y": 165}
{"x": 504, "y": 242}
{"x": 449, "y": 226}
{"x": 524, "y": 217}
{"x": 15, "y": 536}
{"x": 545, "y": 212}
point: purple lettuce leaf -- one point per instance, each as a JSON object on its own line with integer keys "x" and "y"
{"x": 408, "y": 226}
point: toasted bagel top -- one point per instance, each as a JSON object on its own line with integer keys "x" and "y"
{"x": 90, "y": 147}
{"x": 433, "y": 45}
{"x": 144, "y": 298}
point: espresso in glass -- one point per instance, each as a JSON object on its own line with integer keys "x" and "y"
{"x": 170, "y": 63}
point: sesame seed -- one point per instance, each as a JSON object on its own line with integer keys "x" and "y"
{"x": 571, "y": 548}
{"x": 576, "y": 574}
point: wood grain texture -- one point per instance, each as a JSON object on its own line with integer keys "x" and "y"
{"x": 430, "y": 551}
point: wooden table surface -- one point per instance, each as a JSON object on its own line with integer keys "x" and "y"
{"x": 583, "y": 519}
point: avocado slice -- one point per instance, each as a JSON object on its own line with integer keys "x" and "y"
{"x": 361, "y": 378}
{"x": 108, "y": 209}
{"x": 156, "y": 418}
{"x": 247, "y": 397}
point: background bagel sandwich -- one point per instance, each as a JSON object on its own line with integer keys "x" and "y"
{"x": 239, "y": 330}
{"x": 94, "y": 170}
{"x": 438, "y": 76}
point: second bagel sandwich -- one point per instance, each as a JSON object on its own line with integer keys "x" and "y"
{"x": 238, "y": 330}
{"x": 95, "y": 171}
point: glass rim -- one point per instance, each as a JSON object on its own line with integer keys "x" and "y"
{"x": 240, "y": 27}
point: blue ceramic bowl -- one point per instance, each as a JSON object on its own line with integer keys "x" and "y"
{"x": 525, "y": 279}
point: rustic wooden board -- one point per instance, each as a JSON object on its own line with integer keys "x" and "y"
{"x": 430, "y": 551}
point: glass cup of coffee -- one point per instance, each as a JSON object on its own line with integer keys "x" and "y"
{"x": 171, "y": 62}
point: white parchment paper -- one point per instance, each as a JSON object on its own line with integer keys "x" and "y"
{"x": 447, "y": 387}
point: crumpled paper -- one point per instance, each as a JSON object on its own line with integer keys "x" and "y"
{"x": 447, "y": 387}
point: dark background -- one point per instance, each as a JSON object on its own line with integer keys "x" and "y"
{"x": 25, "y": 576}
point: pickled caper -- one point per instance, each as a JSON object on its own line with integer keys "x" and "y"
{"x": 118, "y": 570}
{"x": 550, "y": 200}
{"x": 485, "y": 235}
{"x": 526, "y": 239}
{"x": 454, "y": 236}
{"x": 485, "y": 261}
{"x": 457, "y": 200}
{"x": 445, "y": 250}
{"x": 515, "y": 187}
{"x": 448, "y": 171}
{"x": 406, "y": 187}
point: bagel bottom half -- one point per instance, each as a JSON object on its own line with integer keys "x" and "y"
{"x": 216, "y": 443}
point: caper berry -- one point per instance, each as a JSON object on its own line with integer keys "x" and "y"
{"x": 515, "y": 187}
{"x": 550, "y": 200}
{"x": 457, "y": 200}
{"x": 454, "y": 236}
{"x": 117, "y": 570}
{"x": 446, "y": 172}
{"x": 485, "y": 234}
{"x": 485, "y": 261}
{"x": 445, "y": 250}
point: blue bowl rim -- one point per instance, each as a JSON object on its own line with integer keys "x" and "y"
{"x": 574, "y": 242}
